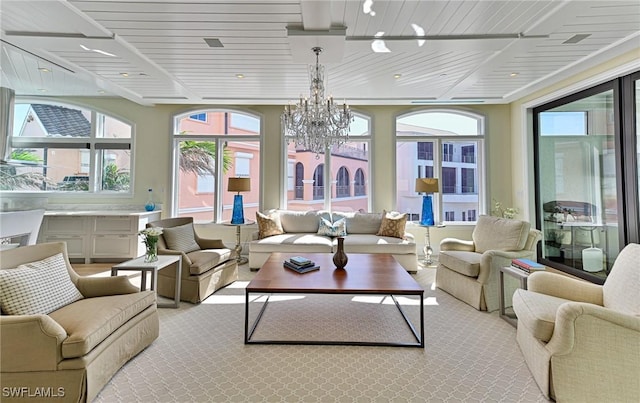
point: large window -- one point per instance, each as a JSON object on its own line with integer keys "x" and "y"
{"x": 587, "y": 177}
{"x": 67, "y": 149}
{"x": 444, "y": 144}
{"x": 209, "y": 147}
{"x": 337, "y": 181}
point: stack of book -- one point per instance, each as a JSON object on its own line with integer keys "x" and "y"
{"x": 300, "y": 264}
{"x": 526, "y": 265}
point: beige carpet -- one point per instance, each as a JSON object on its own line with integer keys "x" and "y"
{"x": 469, "y": 356}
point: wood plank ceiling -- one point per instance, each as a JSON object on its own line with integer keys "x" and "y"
{"x": 472, "y": 51}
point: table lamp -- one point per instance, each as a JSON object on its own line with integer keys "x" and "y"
{"x": 427, "y": 185}
{"x": 238, "y": 185}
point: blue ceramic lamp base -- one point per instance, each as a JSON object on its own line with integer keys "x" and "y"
{"x": 238, "y": 211}
{"x": 427, "y": 211}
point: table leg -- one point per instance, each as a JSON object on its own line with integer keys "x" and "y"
{"x": 428, "y": 251}
{"x": 240, "y": 259}
{"x": 143, "y": 280}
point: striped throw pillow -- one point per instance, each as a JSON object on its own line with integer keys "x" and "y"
{"x": 181, "y": 238}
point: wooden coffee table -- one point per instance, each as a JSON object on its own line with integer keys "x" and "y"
{"x": 373, "y": 274}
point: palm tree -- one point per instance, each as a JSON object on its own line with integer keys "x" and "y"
{"x": 198, "y": 157}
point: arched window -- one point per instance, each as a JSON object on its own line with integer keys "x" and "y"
{"x": 444, "y": 144}
{"x": 352, "y": 155}
{"x": 318, "y": 182}
{"x": 359, "y": 188}
{"x": 299, "y": 186}
{"x": 67, "y": 149}
{"x": 342, "y": 185}
{"x": 210, "y": 146}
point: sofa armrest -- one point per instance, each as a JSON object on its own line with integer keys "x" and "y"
{"x": 580, "y": 319}
{"x": 565, "y": 287}
{"x": 495, "y": 259}
{"x": 30, "y": 343}
{"x": 205, "y": 243}
{"x": 457, "y": 244}
{"x": 91, "y": 287}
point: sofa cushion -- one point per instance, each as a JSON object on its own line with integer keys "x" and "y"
{"x": 89, "y": 321}
{"x": 206, "y": 259}
{"x": 37, "y": 288}
{"x": 494, "y": 233}
{"x": 359, "y": 223}
{"x": 537, "y": 312}
{"x": 181, "y": 237}
{"x": 327, "y": 228}
{"x": 302, "y": 221}
{"x": 293, "y": 243}
{"x": 463, "y": 262}
{"x": 369, "y": 243}
{"x": 269, "y": 225}
{"x": 393, "y": 225}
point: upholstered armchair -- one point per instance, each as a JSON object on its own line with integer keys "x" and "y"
{"x": 207, "y": 264}
{"x": 62, "y": 334}
{"x": 469, "y": 269}
{"x": 580, "y": 340}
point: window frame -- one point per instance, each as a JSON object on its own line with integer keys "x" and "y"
{"x": 439, "y": 141}
{"x": 95, "y": 145}
{"x": 330, "y": 180}
{"x": 219, "y": 139}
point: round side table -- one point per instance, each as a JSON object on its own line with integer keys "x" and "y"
{"x": 239, "y": 258}
{"x": 428, "y": 250}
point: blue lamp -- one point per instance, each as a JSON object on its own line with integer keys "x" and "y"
{"x": 427, "y": 186}
{"x": 238, "y": 185}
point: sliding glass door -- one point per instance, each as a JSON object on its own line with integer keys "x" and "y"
{"x": 587, "y": 209}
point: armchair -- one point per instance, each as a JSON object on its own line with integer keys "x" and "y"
{"x": 61, "y": 346}
{"x": 580, "y": 340}
{"x": 207, "y": 264}
{"x": 468, "y": 270}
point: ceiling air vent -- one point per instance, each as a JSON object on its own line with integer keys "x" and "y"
{"x": 214, "y": 42}
{"x": 576, "y": 38}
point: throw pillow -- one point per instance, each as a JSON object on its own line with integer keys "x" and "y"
{"x": 327, "y": 228}
{"x": 37, "y": 288}
{"x": 268, "y": 225}
{"x": 392, "y": 225}
{"x": 181, "y": 238}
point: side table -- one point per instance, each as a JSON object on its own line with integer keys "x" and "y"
{"x": 428, "y": 250}
{"x": 520, "y": 275}
{"x": 239, "y": 258}
{"x": 143, "y": 267}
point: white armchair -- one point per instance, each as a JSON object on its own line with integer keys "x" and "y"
{"x": 580, "y": 340}
{"x": 468, "y": 270}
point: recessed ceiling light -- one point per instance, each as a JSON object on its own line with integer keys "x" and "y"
{"x": 101, "y": 91}
{"x": 239, "y": 75}
{"x": 44, "y": 70}
{"x": 513, "y": 74}
{"x": 42, "y": 89}
{"x": 124, "y": 74}
{"x": 397, "y": 76}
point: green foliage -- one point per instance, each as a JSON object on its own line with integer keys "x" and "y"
{"x": 115, "y": 179}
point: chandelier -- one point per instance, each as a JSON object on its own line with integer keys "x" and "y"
{"x": 316, "y": 123}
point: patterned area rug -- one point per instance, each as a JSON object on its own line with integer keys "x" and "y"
{"x": 200, "y": 356}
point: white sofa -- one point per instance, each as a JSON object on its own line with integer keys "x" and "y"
{"x": 301, "y": 236}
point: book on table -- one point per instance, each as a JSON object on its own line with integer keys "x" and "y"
{"x": 300, "y": 261}
{"x": 527, "y": 265}
{"x": 301, "y": 269}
